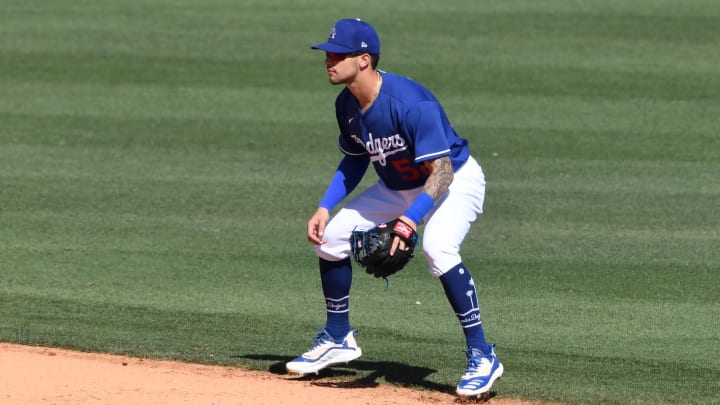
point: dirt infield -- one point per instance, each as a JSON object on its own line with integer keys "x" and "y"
{"x": 35, "y": 375}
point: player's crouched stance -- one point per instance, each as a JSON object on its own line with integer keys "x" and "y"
{"x": 426, "y": 175}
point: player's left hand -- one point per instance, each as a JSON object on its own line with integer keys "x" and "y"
{"x": 398, "y": 242}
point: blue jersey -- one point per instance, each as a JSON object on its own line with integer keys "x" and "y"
{"x": 404, "y": 126}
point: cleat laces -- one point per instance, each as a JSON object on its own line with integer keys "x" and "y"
{"x": 320, "y": 340}
{"x": 477, "y": 362}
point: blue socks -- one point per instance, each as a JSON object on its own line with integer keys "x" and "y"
{"x": 460, "y": 291}
{"x": 336, "y": 279}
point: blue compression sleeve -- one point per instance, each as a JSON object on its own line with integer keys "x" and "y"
{"x": 348, "y": 175}
{"x": 421, "y": 206}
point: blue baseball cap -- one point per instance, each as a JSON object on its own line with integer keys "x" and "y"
{"x": 351, "y": 35}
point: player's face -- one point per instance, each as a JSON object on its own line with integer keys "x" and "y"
{"x": 341, "y": 67}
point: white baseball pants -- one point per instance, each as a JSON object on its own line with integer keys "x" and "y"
{"x": 446, "y": 225}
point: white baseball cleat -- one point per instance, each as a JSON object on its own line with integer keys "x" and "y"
{"x": 482, "y": 371}
{"x": 325, "y": 353}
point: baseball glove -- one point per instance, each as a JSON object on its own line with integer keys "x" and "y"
{"x": 371, "y": 248}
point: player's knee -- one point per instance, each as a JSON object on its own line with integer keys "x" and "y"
{"x": 335, "y": 247}
{"x": 440, "y": 256}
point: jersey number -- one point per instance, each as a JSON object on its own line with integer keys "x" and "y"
{"x": 409, "y": 171}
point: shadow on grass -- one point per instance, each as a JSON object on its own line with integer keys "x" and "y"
{"x": 361, "y": 374}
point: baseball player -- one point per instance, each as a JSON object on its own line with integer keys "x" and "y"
{"x": 426, "y": 174}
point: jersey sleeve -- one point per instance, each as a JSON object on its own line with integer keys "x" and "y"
{"x": 427, "y": 127}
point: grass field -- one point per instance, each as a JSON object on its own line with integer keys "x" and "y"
{"x": 159, "y": 160}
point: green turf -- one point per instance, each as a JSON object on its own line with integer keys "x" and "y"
{"x": 159, "y": 159}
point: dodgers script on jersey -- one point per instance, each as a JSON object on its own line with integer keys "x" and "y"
{"x": 404, "y": 127}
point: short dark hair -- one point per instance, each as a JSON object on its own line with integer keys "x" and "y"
{"x": 374, "y": 60}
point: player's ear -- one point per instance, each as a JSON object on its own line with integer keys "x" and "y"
{"x": 365, "y": 60}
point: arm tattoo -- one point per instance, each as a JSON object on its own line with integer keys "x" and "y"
{"x": 440, "y": 177}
